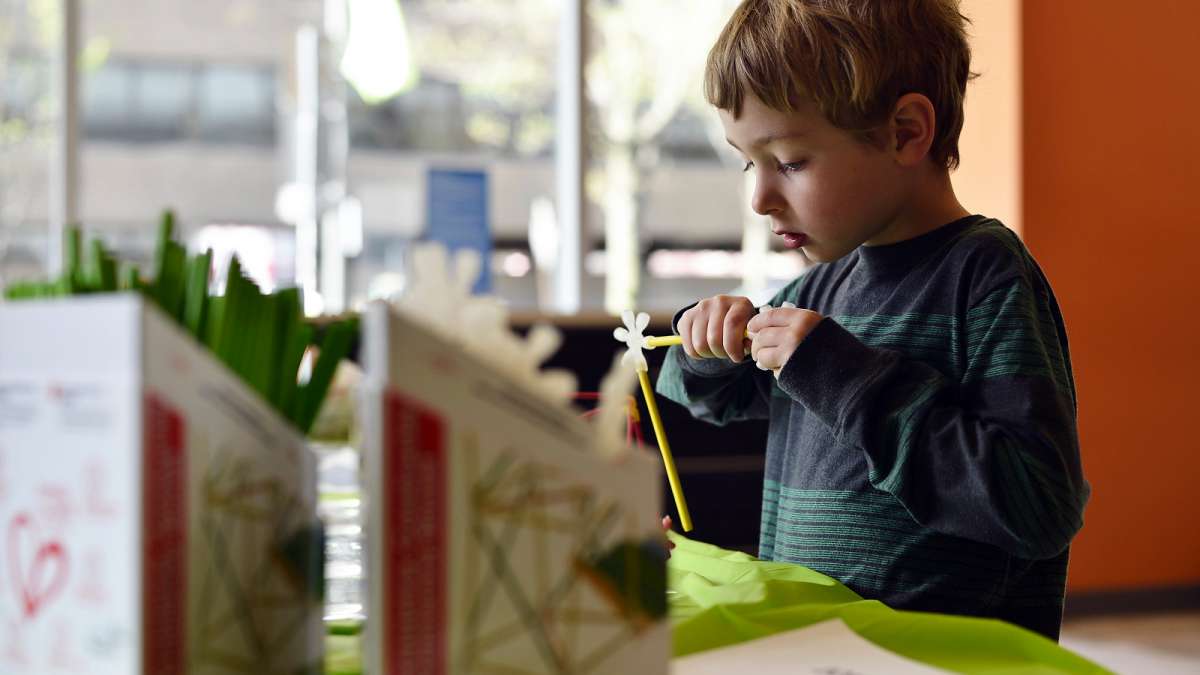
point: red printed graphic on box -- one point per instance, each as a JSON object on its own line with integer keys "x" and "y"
{"x": 164, "y": 528}
{"x": 37, "y": 565}
{"x": 415, "y": 557}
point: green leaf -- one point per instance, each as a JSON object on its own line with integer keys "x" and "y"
{"x": 299, "y": 337}
{"x": 334, "y": 348}
{"x": 196, "y": 301}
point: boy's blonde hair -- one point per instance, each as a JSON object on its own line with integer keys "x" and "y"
{"x": 852, "y": 58}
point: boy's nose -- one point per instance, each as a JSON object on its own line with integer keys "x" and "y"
{"x": 765, "y": 199}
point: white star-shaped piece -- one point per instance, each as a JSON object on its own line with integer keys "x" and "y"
{"x": 439, "y": 296}
{"x": 635, "y": 342}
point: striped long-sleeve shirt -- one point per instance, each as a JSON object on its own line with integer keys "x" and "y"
{"x": 922, "y": 444}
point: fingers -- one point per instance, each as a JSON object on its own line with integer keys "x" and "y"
{"x": 759, "y": 321}
{"x": 716, "y": 327}
{"x": 764, "y": 338}
{"x": 685, "y": 332}
{"x": 733, "y": 332}
{"x": 699, "y": 337}
{"x": 777, "y": 333}
{"x": 772, "y": 358}
{"x": 772, "y": 347}
{"x": 766, "y": 317}
{"x": 692, "y": 328}
{"x": 786, "y": 315}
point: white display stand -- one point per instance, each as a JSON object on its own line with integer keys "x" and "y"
{"x": 156, "y": 515}
{"x": 500, "y": 539}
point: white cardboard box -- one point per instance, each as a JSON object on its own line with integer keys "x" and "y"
{"x": 156, "y": 515}
{"x": 500, "y": 541}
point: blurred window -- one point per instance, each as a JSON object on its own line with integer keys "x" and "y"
{"x": 28, "y": 123}
{"x": 108, "y": 101}
{"x": 25, "y": 77}
{"x": 236, "y": 104}
{"x": 160, "y": 103}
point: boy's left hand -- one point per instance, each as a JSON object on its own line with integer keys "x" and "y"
{"x": 776, "y": 332}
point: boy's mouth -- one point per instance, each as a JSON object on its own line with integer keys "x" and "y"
{"x": 793, "y": 240}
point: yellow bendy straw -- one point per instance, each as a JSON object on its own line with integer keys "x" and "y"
{"x": 631, "y": 335}
{"x": 685, "y": 518}
{"x": 637, "y": 342}
{"x": 653, "y": 341}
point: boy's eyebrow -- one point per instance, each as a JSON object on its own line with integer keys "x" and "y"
{"x": 768, "y": 139}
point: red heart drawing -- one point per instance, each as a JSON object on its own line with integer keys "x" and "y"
{"x": 47, "y": 572}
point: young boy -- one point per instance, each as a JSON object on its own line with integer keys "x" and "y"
{"x": 922, "y": 445}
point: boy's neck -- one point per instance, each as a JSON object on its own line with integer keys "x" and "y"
{"x": 933, "y": 204}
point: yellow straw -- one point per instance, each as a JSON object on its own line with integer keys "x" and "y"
{"x": 685, "y": 518}
{"x": 663, "y": 341}
{"x": 653, "y": 341}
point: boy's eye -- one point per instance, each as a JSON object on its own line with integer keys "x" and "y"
{"x": 791, "y": 166}
{"x": 749, "y": 165}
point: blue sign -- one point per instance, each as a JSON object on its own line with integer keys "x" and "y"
{"x": 457, "y": 216}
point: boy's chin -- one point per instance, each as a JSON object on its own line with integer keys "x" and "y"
{"x": 823, "y": 254}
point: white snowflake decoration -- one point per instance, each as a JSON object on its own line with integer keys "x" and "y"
{"x": 440, "y": 296}
{"x": 635, "y": 342}
{"x": 440, "y": 288}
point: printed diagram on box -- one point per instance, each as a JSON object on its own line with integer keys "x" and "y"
{"x": 610, "y": 590}
{"x": 253, "y": 609}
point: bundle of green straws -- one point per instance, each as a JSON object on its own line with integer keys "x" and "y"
{"x": 262, "y": 337}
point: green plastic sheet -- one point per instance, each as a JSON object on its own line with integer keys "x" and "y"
{"x": 718, "y": 598}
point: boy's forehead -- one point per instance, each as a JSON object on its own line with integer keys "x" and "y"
{"x": 759, "y": 124}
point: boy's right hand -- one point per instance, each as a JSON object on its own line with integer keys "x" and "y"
{"x": 716, "y": 328}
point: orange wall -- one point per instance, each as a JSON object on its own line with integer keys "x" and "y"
{"x": 1111, "y": 146}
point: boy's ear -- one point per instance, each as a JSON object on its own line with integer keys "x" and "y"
{"x": 912, "y": 127}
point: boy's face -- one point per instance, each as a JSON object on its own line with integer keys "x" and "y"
{"x": 825, "y": 190}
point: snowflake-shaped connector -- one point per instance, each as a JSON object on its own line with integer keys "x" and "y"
{"x": 635, "y": 342}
